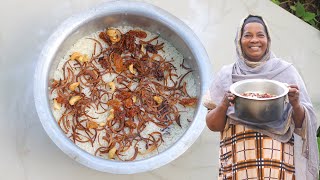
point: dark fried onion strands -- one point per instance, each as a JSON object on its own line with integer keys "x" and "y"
{"x": 133, "y": 100}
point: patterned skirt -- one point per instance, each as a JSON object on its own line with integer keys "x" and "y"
{"x": 247, "y": 154}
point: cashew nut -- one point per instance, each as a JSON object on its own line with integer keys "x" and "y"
{"x": 79, "y": 57}
{"x": 73, "y": 86}
{"x": 111, "y": 32}
{"x": 75, "y": 56}
{"x": 112, "y": 86}
{"x": 115, "y": 39}
{"x": 158, "y": 99}
{"x": 56, "y": 105}
{"x": 114, "y": 35}
{"x": 92, "y": 125}
{"x": 133, "y": 71}
{"x": 134, "y": 99}
{"x": 112, "y": 152}
{"x": 102, "y": 124}
{"x": 85, "y": 58}
{"x": 111, "y": 115}
{"x": 74, "y": 99}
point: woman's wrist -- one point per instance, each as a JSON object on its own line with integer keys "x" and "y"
{"x": 297, "y": 107}
{"x": 224, "y": 106}
{"x": 298, "y": 115}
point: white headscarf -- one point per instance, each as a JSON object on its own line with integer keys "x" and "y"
{"x": 271, "y": 67}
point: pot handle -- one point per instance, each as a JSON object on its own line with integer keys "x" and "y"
{"x": 286, "y": 98}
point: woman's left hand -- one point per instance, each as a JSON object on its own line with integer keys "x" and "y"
{"x": 298, "y": 110}
{"x": 293, "y": 95}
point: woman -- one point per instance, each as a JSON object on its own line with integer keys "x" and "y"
{"x": 248, "y": 151}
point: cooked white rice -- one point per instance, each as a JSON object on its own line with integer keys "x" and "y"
{"x": 171, "y": 134}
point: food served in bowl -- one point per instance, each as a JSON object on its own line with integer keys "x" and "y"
{"x": 112, "y": 15}
{"x": 257, "y": 95}
{"x": 123, "y": 93}
{"x": 259, "y": 100}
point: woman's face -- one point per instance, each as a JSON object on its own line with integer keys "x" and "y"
{"x": 254, "y": 41}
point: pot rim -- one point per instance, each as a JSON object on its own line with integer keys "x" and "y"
{"x": 284, "y": 86}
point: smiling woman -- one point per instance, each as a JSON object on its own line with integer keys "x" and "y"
{"x": 254, "y": 41}
{"x": 248, "y": 151}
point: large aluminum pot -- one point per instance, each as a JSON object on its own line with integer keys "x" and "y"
{"x": 254, "y": 110}
{"x": 117, "y": 13}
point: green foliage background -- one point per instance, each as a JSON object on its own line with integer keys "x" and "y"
{"x": 307, "y": 10}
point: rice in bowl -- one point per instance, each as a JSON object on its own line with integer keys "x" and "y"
{"x": 123, "y": 104}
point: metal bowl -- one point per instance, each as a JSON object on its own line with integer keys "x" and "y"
{"x": 264, "y": 111}
{"x": 117, "y": 13}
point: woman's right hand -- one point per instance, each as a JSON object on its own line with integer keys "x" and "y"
{"x": 228, "y": 99}
{"x": 216, "y": 118}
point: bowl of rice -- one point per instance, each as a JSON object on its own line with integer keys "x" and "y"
{"x": 118, "y": 87}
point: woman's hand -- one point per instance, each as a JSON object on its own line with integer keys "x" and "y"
{"x": 228, "y": 99}
{"x": 216, "y": 118}
{"x": 293, "y": 95}
{"x": 298, "y": 110}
